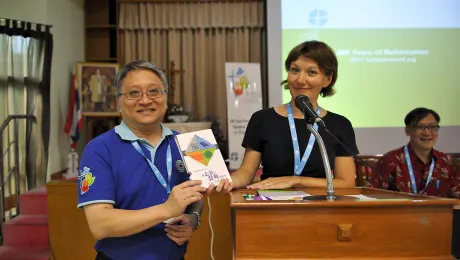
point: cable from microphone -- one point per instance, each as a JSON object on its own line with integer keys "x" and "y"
{"x": 303, "y": 103}
{"x": 390, "y": 181}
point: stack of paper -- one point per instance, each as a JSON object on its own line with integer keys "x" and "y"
{"x": 281, "y": 195}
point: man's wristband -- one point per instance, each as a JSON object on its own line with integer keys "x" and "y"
{"x": 198, "y": 219}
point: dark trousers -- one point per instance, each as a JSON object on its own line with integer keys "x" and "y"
{"x": 102, "y": 256}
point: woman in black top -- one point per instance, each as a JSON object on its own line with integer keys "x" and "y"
{"x": 269, "y": 139}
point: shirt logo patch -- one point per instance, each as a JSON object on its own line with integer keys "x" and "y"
{"x": 180, "y": 166}
{"x": 86, "y": 179}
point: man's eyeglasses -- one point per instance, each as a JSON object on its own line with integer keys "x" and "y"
{"x": 432, "y": 128}
{"x": 151, "y": 93}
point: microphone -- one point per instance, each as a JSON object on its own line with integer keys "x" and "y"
{"x": 303, "y": 103}
{"x": 362, "y": 161}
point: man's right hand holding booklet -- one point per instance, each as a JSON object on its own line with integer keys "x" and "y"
{"x": 203, "y": 160}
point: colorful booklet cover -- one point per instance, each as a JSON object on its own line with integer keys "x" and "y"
{"x": 202, "y": 157}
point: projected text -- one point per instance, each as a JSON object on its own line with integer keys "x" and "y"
{"x": 383, "y": 55}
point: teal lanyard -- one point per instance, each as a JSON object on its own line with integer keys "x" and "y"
{"x": 411, "y": 172}
{"x": 300, "y": 164}
{"x": 155, "y": 170}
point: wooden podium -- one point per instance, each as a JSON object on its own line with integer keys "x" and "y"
{"x": 70, "y": 238}
{"x": 394, "y": 226}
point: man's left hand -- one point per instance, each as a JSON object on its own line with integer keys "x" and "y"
{"x": 180, "y": 229}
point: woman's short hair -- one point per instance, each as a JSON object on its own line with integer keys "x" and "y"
{"x": 322, "y": 54}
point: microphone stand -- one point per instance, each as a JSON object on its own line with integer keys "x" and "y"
{"x": 330, "y": 194}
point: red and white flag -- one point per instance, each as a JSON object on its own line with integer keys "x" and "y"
{"x": 74, "y": 121}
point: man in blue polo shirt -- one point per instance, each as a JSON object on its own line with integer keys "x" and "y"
{"x": 136, "y": 194}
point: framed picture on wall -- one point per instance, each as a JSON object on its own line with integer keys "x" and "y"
{"x": 96, "y": 83}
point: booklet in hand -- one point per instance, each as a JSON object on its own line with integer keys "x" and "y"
{"x": 202, "y": 157}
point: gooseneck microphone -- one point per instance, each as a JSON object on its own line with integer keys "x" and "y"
{"x": 303, "y": 103}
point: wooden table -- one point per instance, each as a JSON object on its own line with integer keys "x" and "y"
{"x": 395, "y": 226}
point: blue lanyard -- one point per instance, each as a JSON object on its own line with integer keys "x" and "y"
{"x": 155, "y": 170}
{"x": 411, "y": 172}
{"x": 298, "y": 164}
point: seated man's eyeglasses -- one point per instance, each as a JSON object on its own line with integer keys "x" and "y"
{"x": 151, "y": 93}
{"x": 432, "y": 128}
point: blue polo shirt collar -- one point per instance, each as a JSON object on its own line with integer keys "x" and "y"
{"x": 126, "y": 134}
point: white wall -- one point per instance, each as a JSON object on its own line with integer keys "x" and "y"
{"x": 275, "y": 61}
{"x": 24, "y": 10}
{"x": 67, "y": 19}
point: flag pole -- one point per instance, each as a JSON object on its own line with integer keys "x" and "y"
{"x": 73, "y": 126}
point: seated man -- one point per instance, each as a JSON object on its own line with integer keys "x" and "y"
{"x": 417, "y": 167}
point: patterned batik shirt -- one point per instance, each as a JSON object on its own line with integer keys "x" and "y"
{"x": 444, "y": 182}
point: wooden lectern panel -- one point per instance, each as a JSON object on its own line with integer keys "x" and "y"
{"x": 68, "y": 230}
{"x": 71, "y": 239}
{"x": 395, "y": 226}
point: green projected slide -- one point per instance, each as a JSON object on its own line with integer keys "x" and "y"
{"x": 388, "y": 64}
{"x": 386, "y": 72}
